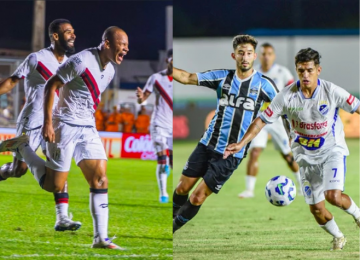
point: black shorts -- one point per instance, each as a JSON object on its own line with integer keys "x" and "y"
{"x": 206, "y": 163}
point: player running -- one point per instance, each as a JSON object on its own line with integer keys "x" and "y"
{"x": 71, "y": 131}
{"x": 282, "y": 77}
{"x": 312, "y": 107}
{"x": 37, "y": 68}
{"x": 161, "y": 121}
{"x": 240, "y": 94}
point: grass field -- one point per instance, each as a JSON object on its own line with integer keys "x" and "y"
{"x": 230, "y": 228}
{"x": 141, "y": 224}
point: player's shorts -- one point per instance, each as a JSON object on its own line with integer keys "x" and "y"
{"x": 79, "y": 142}
{"x": 206, "y": 163}
{"x": 278, "y": 134}
{"x": 318, "y": 178}
{"x": 161, "y": 138}
{"x": 35, "y": 139}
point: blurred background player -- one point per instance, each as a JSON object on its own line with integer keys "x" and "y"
{"x": 100, "y": 117}
{"x": 81, "y": 75}
{"x": 282, "y": 77}
{"x": 37, "y": 68}
{"x": 161, "y": 121}
{"x": 142, "y": 122}
{"x": 113, "y": 121}
{"x": 126, "y": 120}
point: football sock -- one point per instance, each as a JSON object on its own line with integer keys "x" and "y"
{"x": 161, "y": 175}
{"x": 171, "y": 160}
{"x": 250, "y": 182}
{"x": 332, "y": 228}
{"x": 99, "y": 211}
{"x": 298, "y": 179}
{"x": 186, "y": 213}
{"x": 61, "y": 204}
{"x": 353, "y": 210}
{"x": 178, "y": 201}
{"x": 34, "y": 162}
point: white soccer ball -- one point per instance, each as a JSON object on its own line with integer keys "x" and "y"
{"x": 280, "y": 191}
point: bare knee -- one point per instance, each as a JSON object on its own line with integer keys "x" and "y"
{"x": 316, "y": 211}
{"x": 198, "y": 198}
{"x": 334, "y": 197}
{"x": 255, "y": 153}
{"x": 182, "y": 190}
{"x": 99, "y": 182}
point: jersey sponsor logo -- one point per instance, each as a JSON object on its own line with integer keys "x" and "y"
{"x": 77, "y": 60}
{"x": 308, "y": 126}
{"x": 237, "y": 102}
{"x": 310, "y": 143}
{"x": 253, "y": 91}
{"x": 269, "y": 112}
{"x": 350, "y": 100}
{"x": 295, "y": 109}
{"x": 310, "y": 136}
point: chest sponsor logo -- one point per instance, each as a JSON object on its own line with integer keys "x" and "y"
{"x": 237, "y": 102}
{"x": 295, "y": 109}
{"x": 308, "y": 126}
{"x": 310, "y": 143}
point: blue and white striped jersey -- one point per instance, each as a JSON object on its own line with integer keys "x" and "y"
{"x": 239, "y": 101}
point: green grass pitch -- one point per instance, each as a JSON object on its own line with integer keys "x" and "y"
{"x": 141, "y": 224}
{"x": 227, "y": 227}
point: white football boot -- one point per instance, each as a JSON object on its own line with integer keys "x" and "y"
{"x": 66, "y": 223}
{"x": 105, "y": 243}
{"x": 338, "y": 243}
{"x": 246, "y": 194}
{"x": 11, "y": 145}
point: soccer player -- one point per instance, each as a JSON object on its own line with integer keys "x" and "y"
{"x": 161, "y": 121}
{"x": 240, "y": 94}
{"x": 71, "y": 131}
{"x": 282, "y": 77}
{"x": 37, "y": 68}
{"x": 312, "y": 106}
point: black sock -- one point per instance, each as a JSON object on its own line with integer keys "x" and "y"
{"x": 186, "y": 213}
{"x": 178, "y": 201}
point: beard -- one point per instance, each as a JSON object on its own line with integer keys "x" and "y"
{"x": 65, "y": 46}
{"x": 243, "y": 69}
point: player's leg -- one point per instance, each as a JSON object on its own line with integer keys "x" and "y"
{"x": 195, "y": 168}
{"x": 252, "y": 168}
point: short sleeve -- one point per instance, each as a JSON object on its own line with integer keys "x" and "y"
{"x": 149, "y": 86}
{"x": 345, "y": 100}
{"x": 26, "y": 67}
{"x": 268, "y": 89}
{"x": 211, "y": 78}
{"x": 72, "y": 68}
{"x": 274, "y": 110}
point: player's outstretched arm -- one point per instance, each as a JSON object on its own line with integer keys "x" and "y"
{"x": 8, "y": 84}
{"x": 141, "y": 96}
{"x": 253, "y": 131}
{"x": 185, "y": 77}
{"x": 53, "y": 84}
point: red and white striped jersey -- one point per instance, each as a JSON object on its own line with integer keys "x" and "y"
{"x": 162, "y": 86}
{"x": 84, "y": 80}
{"x": 36, "y": 69}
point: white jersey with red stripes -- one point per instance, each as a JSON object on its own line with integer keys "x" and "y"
{"x": 36, "y": 69}
{"x": 84, "y": 80}
{"x": 279, "y": 74}
{"x": 161, "y": 84}
{"x": 316, "y": 127}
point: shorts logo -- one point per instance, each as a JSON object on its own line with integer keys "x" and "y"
{"x": 186, "y": 165}
{"x": 218, "y": 187}
{"x": 307, "y": 189}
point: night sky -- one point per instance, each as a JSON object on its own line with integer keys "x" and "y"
{"x": 143, "y": 21}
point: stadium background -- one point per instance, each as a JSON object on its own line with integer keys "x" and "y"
{"x": 227, "y": 227}
{"x": 136, "y": 217}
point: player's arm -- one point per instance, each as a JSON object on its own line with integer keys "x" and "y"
{"x": 252, "y": 131}
{"x": 142, "y": 96}
{"x": 53, "y": 84}
{"x": 286, "y": 125}
{"x": 185, "y": 77}
{"x": 8, "y": 84}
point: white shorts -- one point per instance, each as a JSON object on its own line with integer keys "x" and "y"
{"x": 79, "y": 142}
{"x": 161, "y": 138}
{"x": 278, "y": 134}
{"x": 35, "y": 139}
{"x": 318, "y": 178}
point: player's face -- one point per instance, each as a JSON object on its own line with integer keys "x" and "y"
{"x": 308, "y": 73}
{"x": 244, "y": 55}
{"x": 119, "y": 47}
{"x": 66, "y": 38}
{"x": 267, "y": 56}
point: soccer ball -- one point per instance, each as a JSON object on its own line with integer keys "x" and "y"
{"x": 280, "y": 191}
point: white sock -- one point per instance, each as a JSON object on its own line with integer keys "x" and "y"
{"x": 161, "y": 178}
{"x": 298, "y": 179}
{"x": 100, "y": 212}
{"x": 353, "y": 210}
{"x": 250, "y": 182}
{"x": 332, "y": 228}
{"x": 34, "y": 162}
{"x": 61, "y": 210}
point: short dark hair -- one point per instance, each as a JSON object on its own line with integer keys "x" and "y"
{"x": 170, "y": 53}
{"x": 267, "y": 45}
{"x": 109, "y": 33}
{"x": 55, "y": 25}
{"x": 306, "y": 55}
{"x": 241, "y": 39}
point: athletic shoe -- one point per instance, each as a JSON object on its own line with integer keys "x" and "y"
{"x": 246, "y": 194}
{"x": 338, "y": 243}
{"x": 164, "y": 199}
{"x": 5, "y": 171}
{"x": 65, "y": 223}
{"x": 12, "y": 144}
{"x": 106, "y": 244}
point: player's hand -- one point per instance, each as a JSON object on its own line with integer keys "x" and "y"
{"x": 139, "y": 93}
{"x": 48, "y": 133}
{"x": 232, "y": 149}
